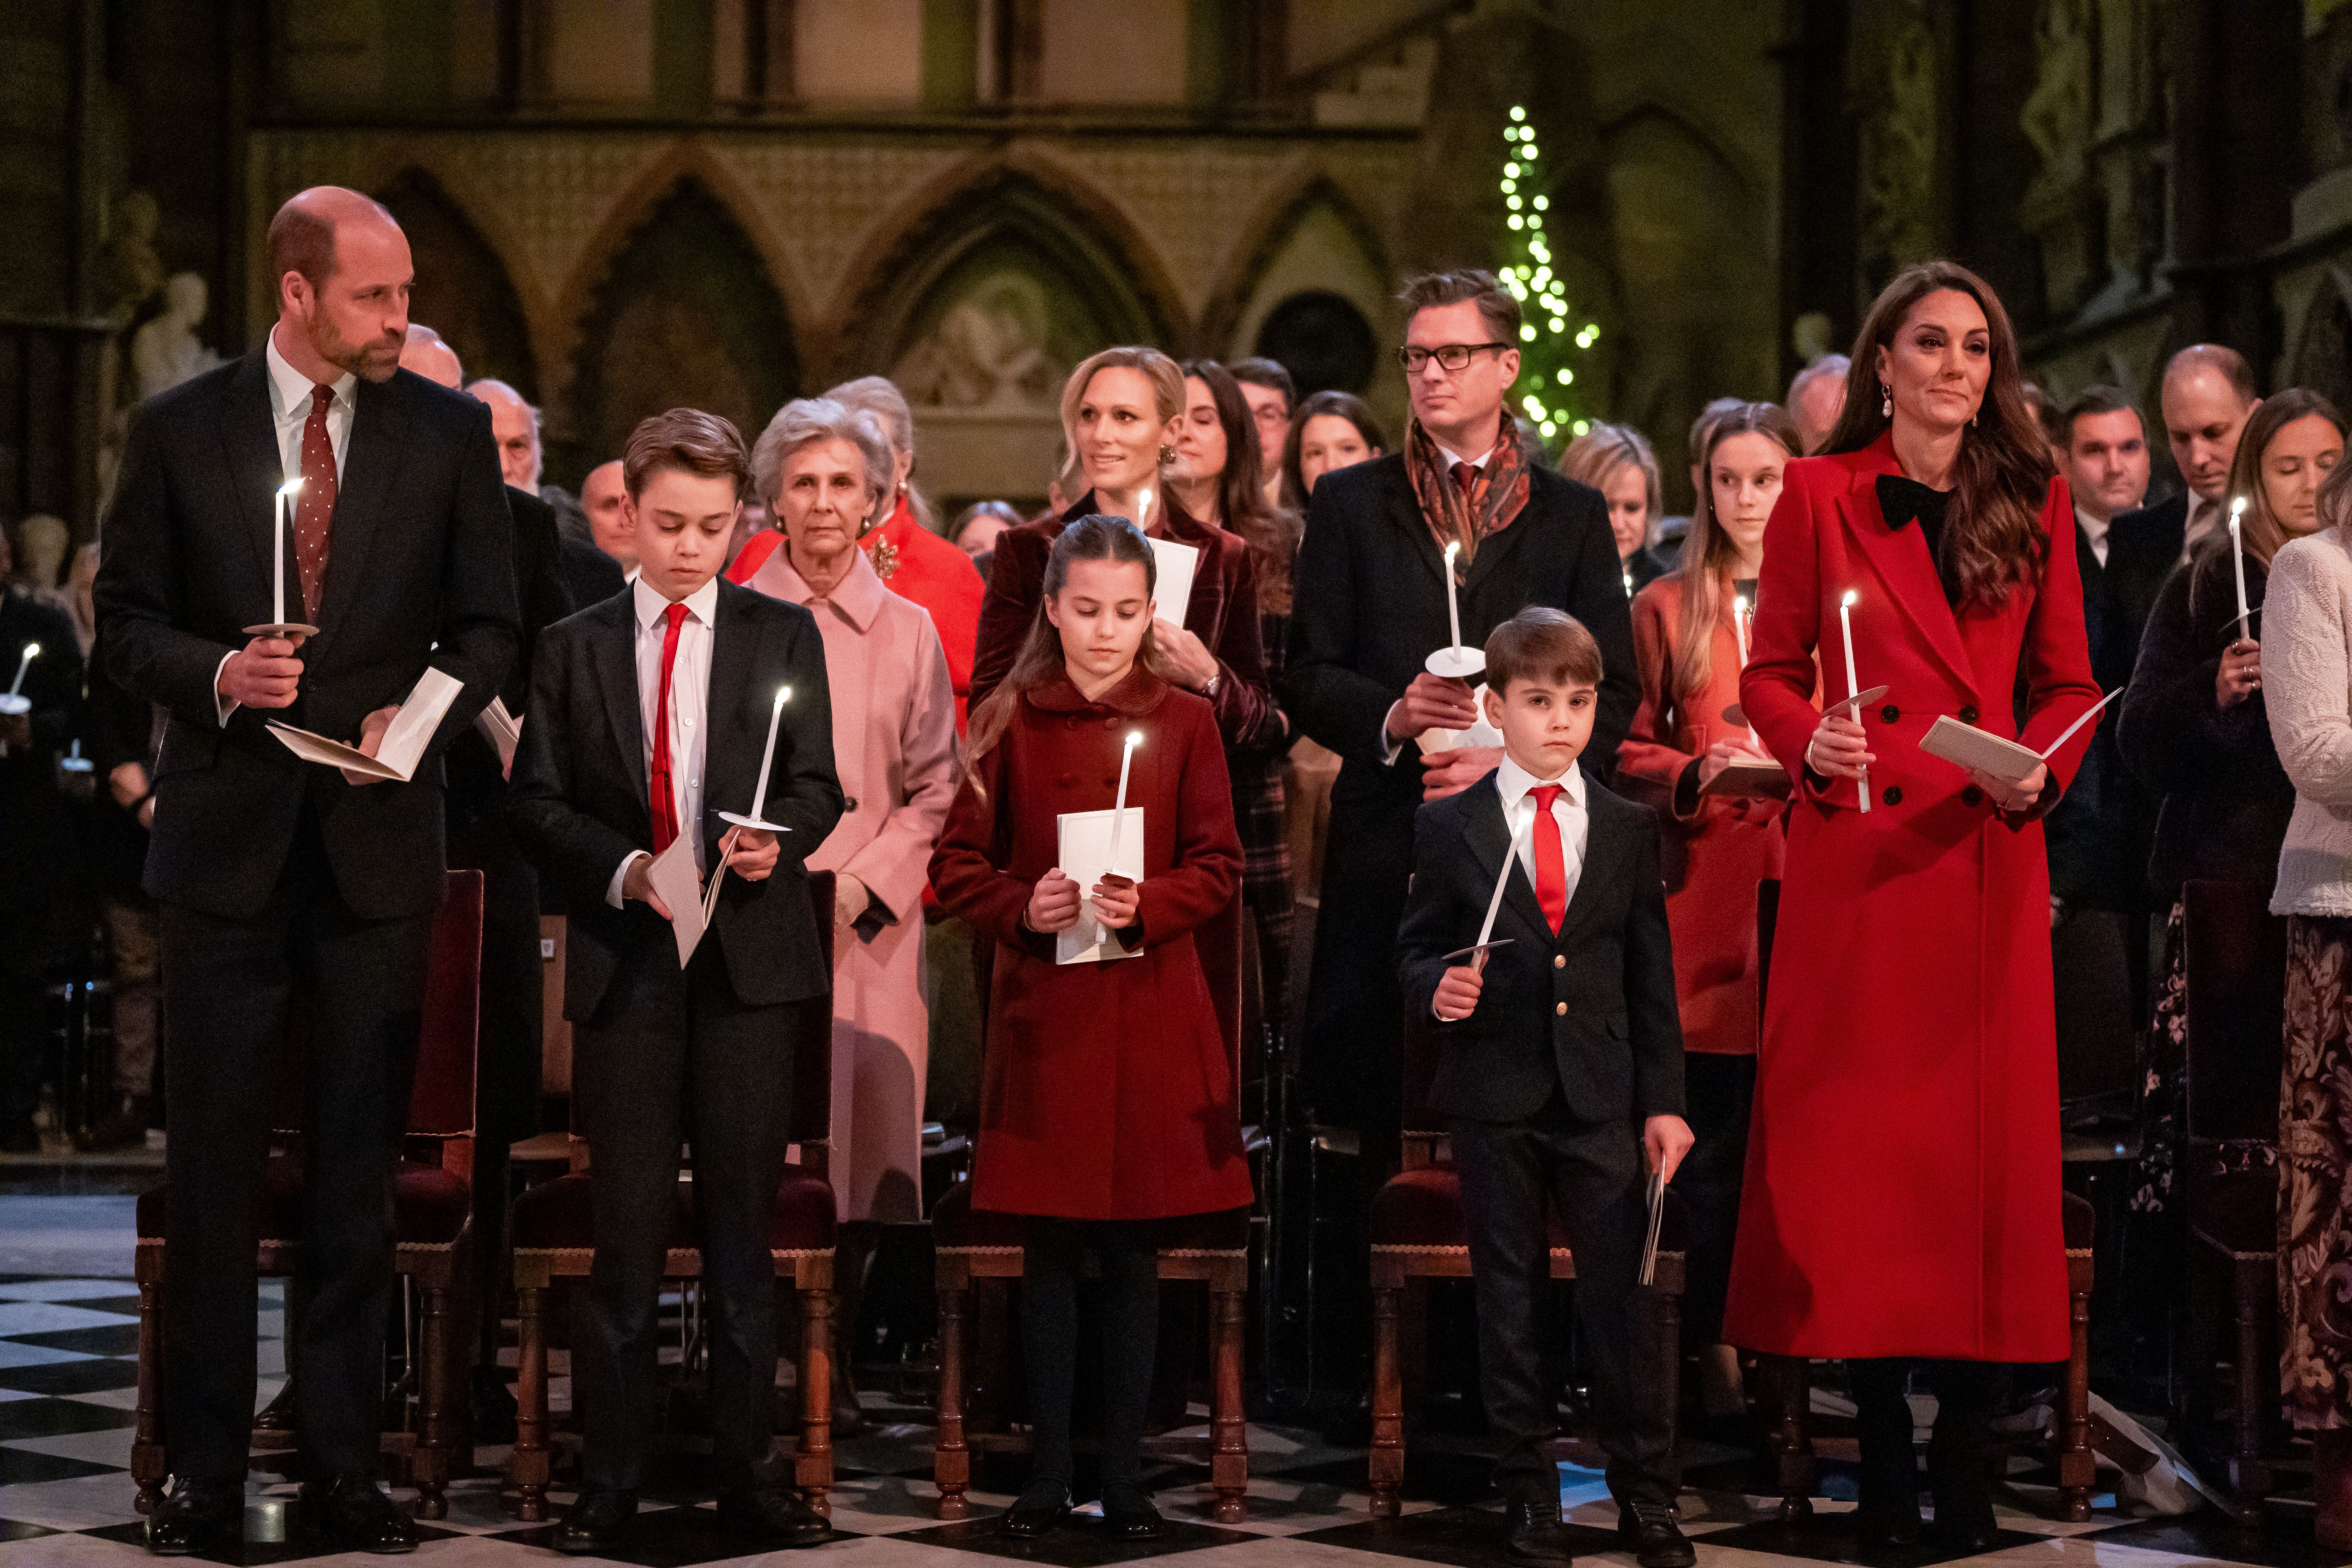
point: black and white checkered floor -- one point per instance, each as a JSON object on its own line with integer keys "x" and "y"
{"x": 69, "y": 1367}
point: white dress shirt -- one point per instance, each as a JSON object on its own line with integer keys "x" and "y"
{"x": 1391, "y": 748}
{"x": 290, "y": 410}
{"x": 1512, "y": 782}
{"x": 2094, "y": 528}
{"x": 689, "y": 702}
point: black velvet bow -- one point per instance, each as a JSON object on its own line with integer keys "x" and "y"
{"x": 1901, "y": 500}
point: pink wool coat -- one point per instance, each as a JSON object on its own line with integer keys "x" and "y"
{"x": 894, "y": 745}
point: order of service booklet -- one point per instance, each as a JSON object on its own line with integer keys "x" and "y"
{"x": 1084, "y": 855}
{"x": 403, "y": 741}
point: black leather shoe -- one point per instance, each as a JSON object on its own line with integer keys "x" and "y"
{"x": 1648, "y": 1529}
{"x": 350, "y": 1513}
{"x": 1533, "y": 1532}
{"x": 595, "y": 1522}
{"x": 1129, "y": 1513}
{"x": 1037, "y": 1511}
{"x": 771, "y": 1514}
{"x": 1959, "y": 1480}
{"x": 199, "y": 1517}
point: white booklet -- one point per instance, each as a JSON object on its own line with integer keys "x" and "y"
{"x": 1173, "y": 583}
{"x": 1083, "y": 851}
{"x": 404, "y": 742}
{"x": 1971, "y": 747}
{"x": 501, "y": 729}
{"x": 674, "y": 876}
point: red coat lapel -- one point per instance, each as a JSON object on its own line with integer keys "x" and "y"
{"x": 1906, "y": 574}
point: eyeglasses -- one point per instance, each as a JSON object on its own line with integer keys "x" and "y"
{"x": 1451, "y": 356}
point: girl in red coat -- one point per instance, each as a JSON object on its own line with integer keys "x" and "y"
{"x": 1690, "y": 633}
{"x": 1107, "y": 1098}
{"x": 1902, "y": 1198}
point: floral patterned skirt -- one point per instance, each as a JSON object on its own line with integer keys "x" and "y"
{"x": 2316, "y": 1193}
{"x": 2163, "y": 1071}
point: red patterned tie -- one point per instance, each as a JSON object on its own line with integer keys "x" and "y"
{"x": 665, "y": 798}
{"x": 314, "y": 507}
{"x": 1466, "y": 480}
{"x": 1551, "y": 861}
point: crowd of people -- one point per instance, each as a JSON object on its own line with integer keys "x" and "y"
{"x": 1608, "y": 732}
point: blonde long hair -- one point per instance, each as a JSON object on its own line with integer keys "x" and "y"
{"x": 1708, "y": 554}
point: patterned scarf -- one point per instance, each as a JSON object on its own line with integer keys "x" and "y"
{"x": 1495, "y": 498}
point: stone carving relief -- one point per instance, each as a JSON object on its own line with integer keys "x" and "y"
{"x": 988, "y": 351}
{"x": 1898, "y": 146}
{"x": 2056, "y": 119}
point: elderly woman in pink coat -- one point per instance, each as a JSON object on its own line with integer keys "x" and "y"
{"x": 826, "y": 476}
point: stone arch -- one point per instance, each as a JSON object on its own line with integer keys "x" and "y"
{"x": 684, "y": 311}
{"x": 1020, "y": 203}
{"x": 1227, "y": 319}
{"x": 463, "y": 289}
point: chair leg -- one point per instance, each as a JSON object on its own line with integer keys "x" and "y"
{"x": 148, "y": 1467}
{"x": 950, "y": 1458}
{"x": 813, "y": 1460}
{"x": 1388, "y": 1404}
{"x": 527, "y": 1469}
{"x": 429, "y": 1465}
{"x": 2076, "y": 1467}
{"x": 1228, "y": 1424}
{"x": 2249, "y": 1471}
{"x": 1785, "y": 1382}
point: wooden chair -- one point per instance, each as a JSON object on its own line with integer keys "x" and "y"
{"x": 1787, "y": 1380}
{"x": 971, "y": 1245}
{"x": 431, "y": 1202}
{"x": 1418, "y": 1235}
{"x": 554, "y": 1239}
{"x": 2236, "y": 952}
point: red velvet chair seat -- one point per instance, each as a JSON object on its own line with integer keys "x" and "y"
{"x": 429, "y": 1205}
{"x": 1423, "y": 1208}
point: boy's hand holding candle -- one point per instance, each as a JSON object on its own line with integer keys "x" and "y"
{"x": 754, "y": 855}
{"x": 1457, "y": 992}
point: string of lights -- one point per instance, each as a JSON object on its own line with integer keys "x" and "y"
{"x": 1551, "y": 347}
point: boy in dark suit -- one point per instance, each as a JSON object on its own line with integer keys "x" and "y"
{"x": 1563, "y": 1086}
{"x": 650, "y": 713}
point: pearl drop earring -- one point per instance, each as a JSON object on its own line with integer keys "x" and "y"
{"x": 1885, "y": 401}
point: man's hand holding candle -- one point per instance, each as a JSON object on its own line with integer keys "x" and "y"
{"x": 1457, "y": 994}
{"x": 1431, "y": 702}
{"x": 371, "y": 728}
{"x": 1053, "y": 903}
{"x": 264, "y": 673}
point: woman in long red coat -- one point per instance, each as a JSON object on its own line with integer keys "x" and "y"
{"x": 1902, "y": 1197}
{"x": 1690, "y": 631}
{"x": 1107, "y": 1098}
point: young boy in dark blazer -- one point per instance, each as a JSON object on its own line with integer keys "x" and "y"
{"x": 1562, "y": 1074}
{"x": 649, "y": 714}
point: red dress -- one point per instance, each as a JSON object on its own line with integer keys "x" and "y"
{"x": 1902, "y": 1193}
{"x": 1107, "y": 1091}
{"x": 922, "y": 567}
{"x": 1716, "y": 848}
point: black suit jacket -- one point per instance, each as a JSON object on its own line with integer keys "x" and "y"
{"x": 420, "y": 570}
{"x": 478, "y": 785}
{"x": 1369, "y": 596}
{"x": 1592, "y": 1009}
{"x": 578, "y": 804}
{"x": 2143, "y": 547}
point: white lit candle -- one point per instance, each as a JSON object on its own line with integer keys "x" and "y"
{"x": 1510, "y": 858}
{"x": 1739, "y": 627}
{"x": 32, "y": 652}
{"x": 2238, "y": 551}
{"x": 1852, "y": 687}
{"x": 767, "y": 758}
{"x": 1119, "y": 806}
{"x": 278, "y": 554}
{"x": 1453, "y": 605}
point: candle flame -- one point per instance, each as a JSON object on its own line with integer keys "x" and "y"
{"x": 1739, "y": 603}
{"x": 784, "y": 695}
{"x": 1453, "y": 549}
{"x": 291, "y": 486}
{"x": 32, "y": 650}
{"x": 1134, "y": 738}
{"x": 1851, "y": 597}
{"x": 2237, "y": 508}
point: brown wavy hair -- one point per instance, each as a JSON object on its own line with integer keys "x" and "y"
{"x": 1040, "y": 660}
{"x": 1271, "y": 533}
{"x": 1708, "y": 553}
{"x": 1993, "y": 539}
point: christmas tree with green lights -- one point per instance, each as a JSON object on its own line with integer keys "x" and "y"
{"x": 1552, "y": 345}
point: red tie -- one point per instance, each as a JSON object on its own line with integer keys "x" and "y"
{"x": 314, "y": 505}
{"x": 1466, "y": 478}
{"x": 665, "y": 801}
{"x": 1551, "y": 862}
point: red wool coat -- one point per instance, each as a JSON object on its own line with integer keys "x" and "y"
{"x": 1716, "y": 848}
{"x": 1902, "y": 1193}
{"x": 1107, "y": 1091}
